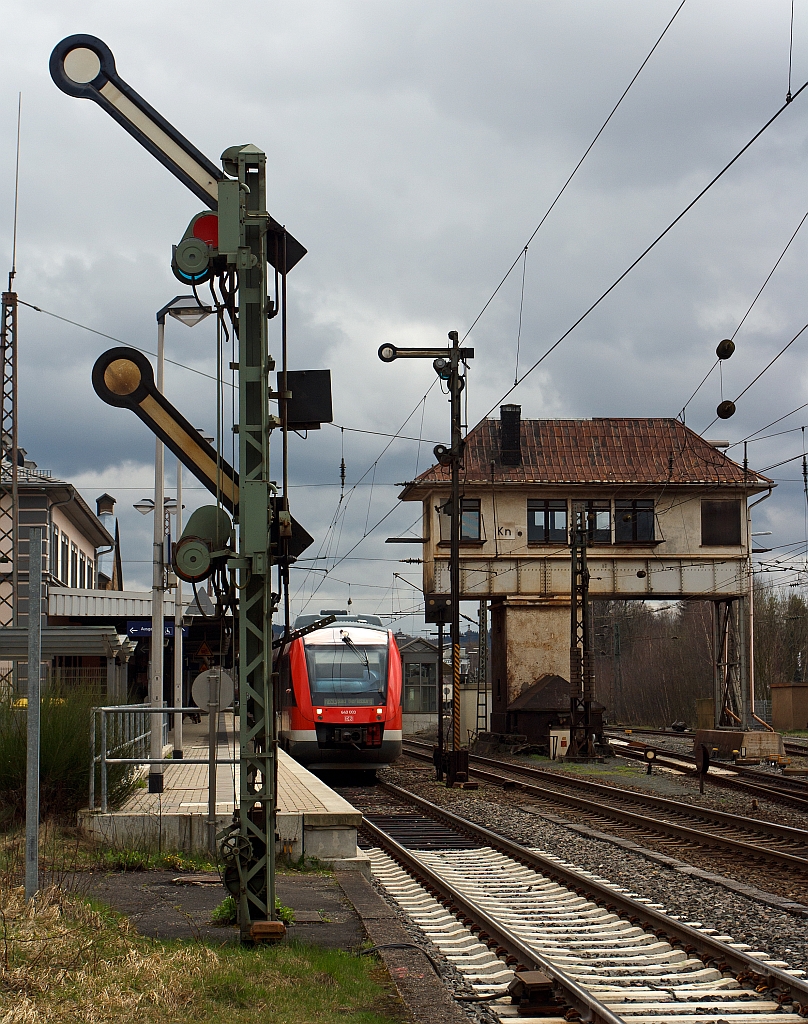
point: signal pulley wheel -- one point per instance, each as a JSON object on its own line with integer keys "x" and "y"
{"x": 236, "y": 847}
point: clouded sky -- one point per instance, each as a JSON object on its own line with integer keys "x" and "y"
{"x": 412, "y": 148}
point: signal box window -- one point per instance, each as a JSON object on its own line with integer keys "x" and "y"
{"x": 633, "y": 522}
{"x": 547, "y": 522}
{"x": 598, "y": 522}
{"x": 721, "y": 523}
{"x": 420, "y": 688}
{"x": 470, "y": 521}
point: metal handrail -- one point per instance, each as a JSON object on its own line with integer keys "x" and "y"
{"x": 142, "y": 734}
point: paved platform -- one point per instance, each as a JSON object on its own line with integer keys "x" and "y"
{"x": 313, "y": 822}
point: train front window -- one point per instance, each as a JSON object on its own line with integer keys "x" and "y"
{"x": 346, "y": 674}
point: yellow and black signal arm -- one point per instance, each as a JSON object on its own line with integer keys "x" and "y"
{"x": 124, "y": 377}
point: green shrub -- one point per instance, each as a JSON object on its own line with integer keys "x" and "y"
{"x": 227, "y": 912}
{"x": 64, "y": 768}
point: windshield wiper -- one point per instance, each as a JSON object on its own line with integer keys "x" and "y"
{"x": 362, "y": 655}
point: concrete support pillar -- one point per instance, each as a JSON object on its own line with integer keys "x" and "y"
{"x": 744, "y": 660}
{"x": 529, "y": 638}
{"x": 111, "y": 681}
{"x": 121, "y": 688}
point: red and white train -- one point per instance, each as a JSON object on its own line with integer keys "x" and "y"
{"x": 340, "y": 689}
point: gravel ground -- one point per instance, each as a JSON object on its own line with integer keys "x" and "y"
{"x": 663, "y": 782}
{"x": 781, "y": 934}
{"x": 632, "y": 777}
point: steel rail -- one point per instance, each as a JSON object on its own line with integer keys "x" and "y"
{"x": 634, "y": 818}
{"x": 743, "y": 779}
{"x": 711, "y": 950}
{"x": 665, "y": 803}
{"x": 792, "y": 746}
{"x": 477, "y": 919}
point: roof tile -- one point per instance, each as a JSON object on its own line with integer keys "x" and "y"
{"x": 600, "y": 450}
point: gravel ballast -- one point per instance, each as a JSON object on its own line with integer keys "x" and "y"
{"x": 781, "y": 933}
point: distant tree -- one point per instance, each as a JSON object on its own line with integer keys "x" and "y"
{"x": 652, "y": 663}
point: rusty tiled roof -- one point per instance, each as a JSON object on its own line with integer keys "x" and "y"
{"x": 597, "y": 451}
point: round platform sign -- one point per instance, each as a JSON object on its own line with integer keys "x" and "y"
{"x": 212, "y": 683}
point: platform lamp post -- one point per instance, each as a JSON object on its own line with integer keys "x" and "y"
{"x": 447, "y": 363}
{"x": 188, "y": 310}
{"x": 179, "y": 701}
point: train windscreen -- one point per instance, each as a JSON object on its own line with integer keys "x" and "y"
{"x": 345, "y": 674}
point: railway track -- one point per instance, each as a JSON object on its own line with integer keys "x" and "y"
{"x": 794, "y": 747}
{"x": 791, "y": 792}
{"x": 497, "y": 910}
{"x": 646, "y": 815}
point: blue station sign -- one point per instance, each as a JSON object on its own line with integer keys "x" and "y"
{"x": 142, "y": 627}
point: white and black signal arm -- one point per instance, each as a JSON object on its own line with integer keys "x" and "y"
{"x": 83, "y": 66}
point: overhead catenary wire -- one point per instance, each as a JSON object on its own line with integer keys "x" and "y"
{"x": 111, "y": 337}
{"x": 790, "y": 52}
{"x": 13, "y": 271}
{"x": 773, "y": 423}
{"x": 575, "y": 170}
{"x": 647, "y": 249}
{"x": 521, "y": 308}
{"x": 746, "y": 314}
{"x": 765, "y": 368}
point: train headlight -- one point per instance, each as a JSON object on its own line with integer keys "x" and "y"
{"x": 379, "y": 710}
{"x": 319, "y": 712}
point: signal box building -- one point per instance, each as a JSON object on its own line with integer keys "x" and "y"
{"x": 668, "y": 518}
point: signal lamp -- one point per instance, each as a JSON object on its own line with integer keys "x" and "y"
{"x": 443, "y": 454}
{"x": 442, "y": 367}
{"x": 190, "y": 315}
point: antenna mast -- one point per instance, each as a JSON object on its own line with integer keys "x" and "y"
{"x": 9, "y": 497}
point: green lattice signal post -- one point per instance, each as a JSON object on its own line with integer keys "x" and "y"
{"x": 244, "y": 239}
{"x": 243, "y": 226}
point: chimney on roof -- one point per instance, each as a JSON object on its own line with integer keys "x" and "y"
{"x": 510, "y": 435}
{"x": 105, "y": 505}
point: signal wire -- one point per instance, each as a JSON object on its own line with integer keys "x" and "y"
{"x": 648, "y": 249}
{"x": 574, "y": 172}
{"x": 221, "y": 307}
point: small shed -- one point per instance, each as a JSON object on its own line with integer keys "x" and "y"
{"x": 543, "y": 706}
{"x": 419, "y": 660}
{"x": 790, "y": 706}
